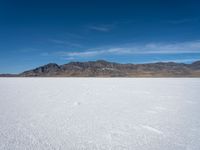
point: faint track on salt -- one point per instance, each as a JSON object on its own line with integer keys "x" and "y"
{"x": 149, "y": 128}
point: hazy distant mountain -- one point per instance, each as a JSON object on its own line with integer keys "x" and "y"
{"x": 103, "y": 68}
{"x": 9, "y": 75}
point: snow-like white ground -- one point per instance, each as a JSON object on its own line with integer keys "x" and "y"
{"x": 99, "y": 113}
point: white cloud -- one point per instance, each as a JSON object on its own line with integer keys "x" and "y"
{"x": 74, "y": 36}
{"x": 185, "y": 60}
{"x": 102, "y": 28}
{"x": 149, "y": 48}
{"x": 66, "y": 43}
{"x": 57, "y": 41}
{"x": 184, "y": 20}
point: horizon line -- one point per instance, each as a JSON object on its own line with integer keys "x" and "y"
{"x": 148, "y": 62}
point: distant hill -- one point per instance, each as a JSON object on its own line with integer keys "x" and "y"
{"x": 9, "y": 75}
{"x": 103, "y": 68}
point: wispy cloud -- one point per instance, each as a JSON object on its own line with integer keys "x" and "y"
{"x": 184, "y": 20}
{"x": 66, "y": 43}
{"x": 180, "y": 60}
{"x": 57, "y": 41}
{"x": 149, "y": 48}
{"x": 109, "y": 26}
{"x": 28, "y": 50}
{"x": 101, "y": 28}
{"x": 74, "y": 35}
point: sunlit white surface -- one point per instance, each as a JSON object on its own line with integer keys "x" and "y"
{"x": 99, "y": 113}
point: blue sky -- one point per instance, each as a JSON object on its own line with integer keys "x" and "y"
{"x": 33, "y": 33}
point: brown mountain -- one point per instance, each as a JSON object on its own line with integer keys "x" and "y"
{"x": 103, "y": 68}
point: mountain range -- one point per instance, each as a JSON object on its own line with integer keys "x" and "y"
{"x": 102, "y": 68}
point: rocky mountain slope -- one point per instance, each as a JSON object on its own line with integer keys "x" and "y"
{"x": 103, "y": 68}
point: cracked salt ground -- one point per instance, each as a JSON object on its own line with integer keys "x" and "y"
{"x": 99, "y": 113}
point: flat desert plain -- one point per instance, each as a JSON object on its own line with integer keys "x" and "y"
{"x": 100, "y": 113}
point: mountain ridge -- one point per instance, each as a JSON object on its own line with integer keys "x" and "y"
{"x": 102, "y": 68}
